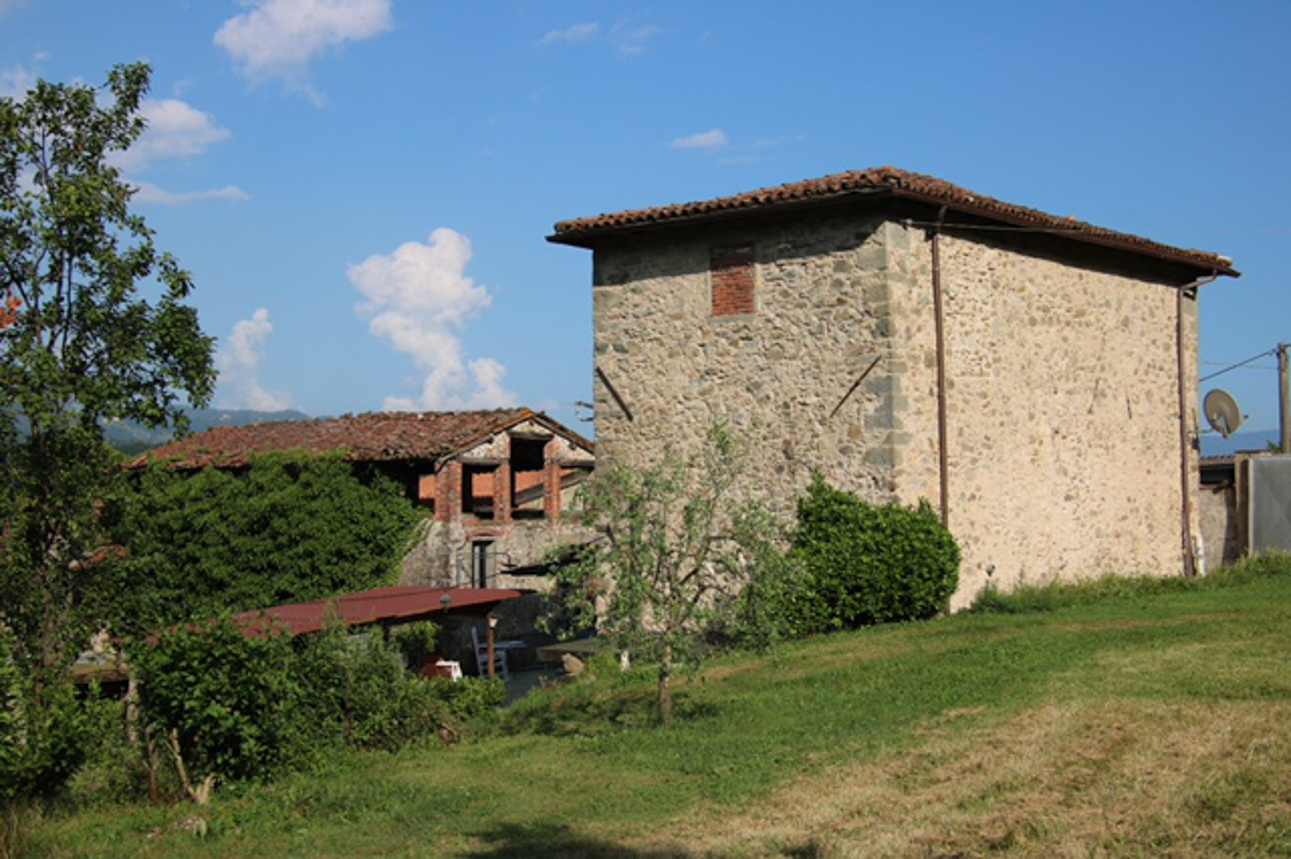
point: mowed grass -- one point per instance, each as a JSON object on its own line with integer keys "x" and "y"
{"x": 1142, "y": 720}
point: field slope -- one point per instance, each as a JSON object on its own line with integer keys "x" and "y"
{"x": 1138, "y": 723}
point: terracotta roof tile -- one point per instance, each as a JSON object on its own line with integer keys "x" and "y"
{"x": 889, "y": 181}
{"x": 371, "y": 437}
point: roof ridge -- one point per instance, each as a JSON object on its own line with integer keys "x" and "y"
{"x": 890, "y": 180}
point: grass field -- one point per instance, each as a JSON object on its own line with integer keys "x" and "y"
{"x": 1114, "y": 720}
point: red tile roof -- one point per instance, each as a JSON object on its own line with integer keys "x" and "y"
{"x": 872, "y": 183}
{"x": 365, "y": 607}
{"x": 371, "y": 437}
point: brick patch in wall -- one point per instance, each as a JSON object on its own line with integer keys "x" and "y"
{"x": 731, "y": 271}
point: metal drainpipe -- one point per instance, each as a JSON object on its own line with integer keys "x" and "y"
{"x": 1189, "y": 562}
{"x": 939, "y": 321}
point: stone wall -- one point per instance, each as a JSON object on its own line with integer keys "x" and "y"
{"x": 774, "y": 376}
{"x": 1062, "y": 398}
{"x": 1062, "y": 410}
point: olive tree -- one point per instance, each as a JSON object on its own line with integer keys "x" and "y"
{"x": 95, "y": 328}
{"x": 674, "y": 550}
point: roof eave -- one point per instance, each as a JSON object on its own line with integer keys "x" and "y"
{"x": 591, "y": 238}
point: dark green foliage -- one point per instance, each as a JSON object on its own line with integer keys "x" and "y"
{"x": 289, "y": 529}
{"x": 79, "y": 346}
{"x": 872, "y": 563}
{"x": 354, "y": 690}
{"x": 251, "y": 709}
{"x": 42, "y": 739}
{"x": 230, "y": 699}
{"x": 416, "y": 642}
{"x": 470, "y": 698}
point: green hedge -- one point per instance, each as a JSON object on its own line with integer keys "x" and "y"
{"x": 872, "y": 563}
{"x": 288, "y": 529}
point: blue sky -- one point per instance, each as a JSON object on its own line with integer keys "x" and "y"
{"x": 362, "y": 189}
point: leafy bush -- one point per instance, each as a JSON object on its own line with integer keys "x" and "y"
{"x": 44, "y": 732}
{"x": 288, "y": 529}
{"x": 872, "y": 563}
{"x": 229, "y": 699}
{"x": 354, "y": 690}
{"x": 253, "y": 708}
{"x": 416, "y": 641}
{"x": 470, "y": 698}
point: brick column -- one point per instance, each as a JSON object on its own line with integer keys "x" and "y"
{"x": 502, "y": 492}
{"x": 448, "y": 492}
{"x": 550, "y": 481}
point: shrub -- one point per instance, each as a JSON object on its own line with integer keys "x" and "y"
{"x": 288, "y": 529}
{"x": 230, "y": 700}
{"x": 470, "y": 698}
{"x": 44, "y": 732}
{"x": 355, "y": 690}
{"x": 872, "y": 563}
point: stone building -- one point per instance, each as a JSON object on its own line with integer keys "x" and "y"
{"x": 1033, "y": 377}
{"x": 493, "y": 483}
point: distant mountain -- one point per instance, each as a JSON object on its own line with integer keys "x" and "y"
{"x": 1213, "y": 444}
{"x": 130, "y": 437}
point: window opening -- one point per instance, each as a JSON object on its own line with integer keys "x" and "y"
{"x": 528, "y": 488}
{"x": 482, "y": 563}
{"x": 477, "y": 491}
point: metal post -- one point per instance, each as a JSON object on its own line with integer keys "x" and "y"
{"x": 1284, "y": 400}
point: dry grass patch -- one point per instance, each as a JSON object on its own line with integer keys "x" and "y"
{"x": 1072, "y": 780}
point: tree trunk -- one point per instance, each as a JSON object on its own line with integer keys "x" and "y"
{"x": 665, "y": 687}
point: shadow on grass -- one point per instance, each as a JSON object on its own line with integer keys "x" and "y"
{"x": 524, "y": 841}
{"x": 513, "y": 841}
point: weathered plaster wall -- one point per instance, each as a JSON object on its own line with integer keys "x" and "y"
{"x": 1221, "y": 527}
{"x": 1062, "y": 410}
{"x": 773, "y": 376}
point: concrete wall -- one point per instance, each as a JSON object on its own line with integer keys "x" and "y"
{"x": 1062, "y": 399}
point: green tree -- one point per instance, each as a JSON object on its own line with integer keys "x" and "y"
{"x": 673, "y": 551}
{"x": 79, "y": 345}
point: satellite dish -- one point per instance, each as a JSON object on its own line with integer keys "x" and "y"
{"x": 1222, "y": 412}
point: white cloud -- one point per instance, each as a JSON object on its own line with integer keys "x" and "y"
{"x": 572, "y": 35}
{"x": 175, "y": 129}
{"x": 631, "y": 41}
{"x": 708, "y": 140}
{"x": 419, "y": 298}
{"x": 146, "y": 192}
{"x": 279, "y": 38}
{"x": 238, "y": 363}
{"x": 15, "y": 82}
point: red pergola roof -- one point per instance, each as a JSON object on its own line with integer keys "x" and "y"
{"x": 382, "y": 605}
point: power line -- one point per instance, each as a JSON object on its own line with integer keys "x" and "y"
{"x": 1253, "y": 358}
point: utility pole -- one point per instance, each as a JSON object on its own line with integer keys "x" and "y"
{"x": 1284, "y": 400}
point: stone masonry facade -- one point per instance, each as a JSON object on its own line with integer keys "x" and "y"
{"x": 512, "y": 541}
{"x": 1064, "y": 449}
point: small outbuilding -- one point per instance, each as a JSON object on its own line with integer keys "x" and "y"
{"x": 493, "y": 484}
